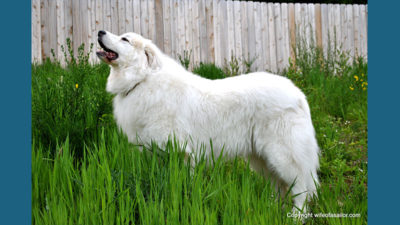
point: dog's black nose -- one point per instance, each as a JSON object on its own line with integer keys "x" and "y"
{"x": 101, "y": 33}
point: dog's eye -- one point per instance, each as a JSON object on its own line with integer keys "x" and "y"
{"x": 124, "y": 39}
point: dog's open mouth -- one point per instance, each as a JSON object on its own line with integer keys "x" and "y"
{"x": 107, "y": 54}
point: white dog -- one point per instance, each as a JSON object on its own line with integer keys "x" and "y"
{"x": 260, "y": 116}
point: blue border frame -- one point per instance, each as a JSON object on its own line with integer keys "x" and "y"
{"x": 383, "y": 112}
{"x": 15, "y": 113}
{"x": 384, "y": 80}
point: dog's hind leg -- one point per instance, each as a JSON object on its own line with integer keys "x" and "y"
{"x": 289, "y": 148}
{"x": 259, "y": 165}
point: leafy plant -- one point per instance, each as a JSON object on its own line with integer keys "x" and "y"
{"x": 231, "y": 67}
{"x": 209, "y": 71}
{"x": 185, "y": 58}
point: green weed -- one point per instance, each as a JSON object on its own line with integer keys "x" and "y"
{"x": 209, "y": 71}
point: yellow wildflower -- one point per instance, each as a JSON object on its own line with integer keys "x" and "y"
{"x": 356, "y": 77}
{"x": 364, "y": 88}
{"x": 76, "y": 85}
{"x": 364, "y": 84}
{"x": 361, "y": 80}
{"x": 351, "y": 88}
{"x": 362, "y": 74}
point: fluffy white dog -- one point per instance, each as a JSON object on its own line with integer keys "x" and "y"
{"x": 260, "y": 116}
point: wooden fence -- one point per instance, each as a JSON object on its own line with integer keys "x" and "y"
{"x": 214, "y": 30}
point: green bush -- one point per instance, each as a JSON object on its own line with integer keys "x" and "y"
{"x": 209, "y": 71}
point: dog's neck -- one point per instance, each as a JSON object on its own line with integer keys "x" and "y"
{"x": 131, "y": 89}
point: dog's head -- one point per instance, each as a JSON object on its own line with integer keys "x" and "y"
{"x": 131, "y": 58}
{"x": 127, "y": 50}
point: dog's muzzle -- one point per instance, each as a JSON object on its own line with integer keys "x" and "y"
{"x": 107, "y": 55}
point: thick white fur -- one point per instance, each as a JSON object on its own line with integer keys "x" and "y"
{"x": 260, "y": 116}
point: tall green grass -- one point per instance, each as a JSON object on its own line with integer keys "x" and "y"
{"x": 84, "y": 171}
{"x": 69, "y": 102}
{"x": 115, "y": 183}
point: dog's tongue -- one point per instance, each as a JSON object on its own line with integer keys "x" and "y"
{"x": 110, "y": 55}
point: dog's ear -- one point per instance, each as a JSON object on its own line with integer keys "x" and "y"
{"x": 152, "y": 58}
{"x": 137, "y": 44}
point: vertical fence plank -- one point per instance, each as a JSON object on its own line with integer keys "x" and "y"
{"x": 128, "y": 16}
{"x": 60, "y": 30}
{"x": 167, "y": 27}
{"x": 209, "y": 11}
{"x": 324, "y": 28}
{"x": 144, "y": 19}
{"x": 44, "y": 28}
{"x": 251, "y": 34}
{"x": 173, "y": 28}
{"x": 114, "y": 16}
{"x": 343, "y": 27}
{"x": 191, "y": 34}
{"x": 298, "y": 23}
{"x": 107, "y": 15}
{"x": 203, "y": 31}
{"x": 36, "y": 33}
{"x": 217, "y": 32}
{"x": 92, "y": 30}
{"x": 99, "y": 17}
{"x": 363, "y": 31}
{"x": 238, "y": 33}
{"x": 159, "y": 21}
{"x": 306, "y": 24}
{"x": 311, "y": 21}
{"x": 285, "y": 33}
{"x": 85, "y": 24}
{"x": 222, "y": 31}
{"x": 176, "y": 35}
{"x": 181, "y": 29}
{"x": 152, "y": 20}
{"x": 366, "y": 17}
{"x": 332, "y": 28}
{"x": 265, "y": 57}
{"x": 272, "y": 39}
{"x": 341, "y": 33}
{"x": 49, "y": 28}
{"x": 292, "y": 31}
{"x": 279, "y": 37}
{"x": 196, "y": 32}
{"x": 77, "y": 29}
{"x": 356, "y": 22}
{"x": 245, "y": 29}
{"x": 350, "y": 31}
{"x": 332, "y": 32}
{"x": 136, "y": 17}
{"x": 366, "y": 31}
{"x": 121, "y": 16}
{"x": 68, "y": 19}
{"x": 188, "y": 29}
{"x": 52, "y": 23}
{"x": 230, "y": 35}
{"x": 318, "y": 25}
{"x": 258, "y": 37}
